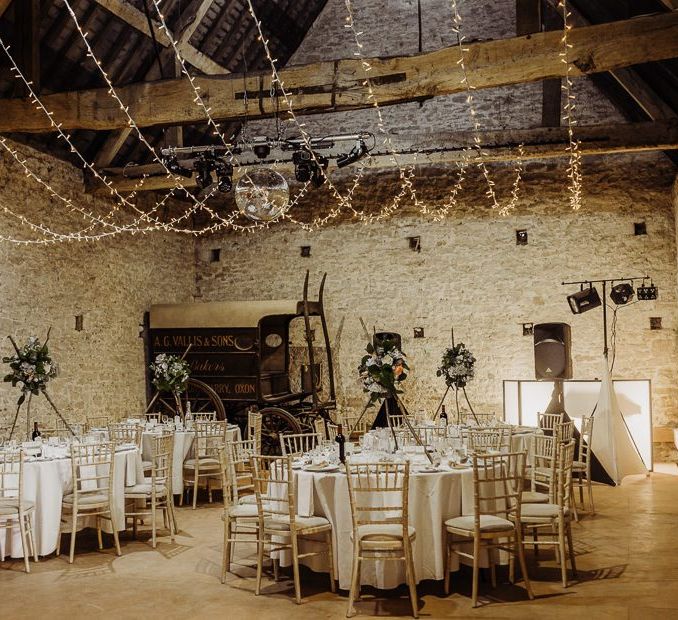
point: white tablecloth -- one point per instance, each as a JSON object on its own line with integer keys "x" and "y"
{"x": 433, "y": 498}
{"x": 183, "y": 440}
{"x": 45, "y": 484}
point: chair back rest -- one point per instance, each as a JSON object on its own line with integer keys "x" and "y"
{"x": 97, "y": 421}
{"x": 482, "y": 441}
{"x": 428, "y": 433}
{"x": 547, "y": 422}
{"x": 497, "y": 483}
{"x": 564, "y": 431}
{"x": 274, "y": 486}
{"x": 205, "y": 416}
{"x": 545, "y": 463}
{"x": 254, "y": 422}
{"x": 61, "y": 430}
{"x": 296, "y": 444}
{"x": 228, "y": 481}
{"x": 391, "y": 481}
{"x": 12, "y": 474}
{"x": 239, "y": 455}
{"x": 152, "y": 416}
{"x": 319, "y": 426}
{"x": 585, "y": 437}
{"x": 124, "y": 432}
{"x": 92, "y": 467}
{"x": 209, "y": 439}
{"x": 397, "y": 420}
{"x": 564, "y": 474}
{"x": 162, "y": 450}
{"x": 332, "y": 430}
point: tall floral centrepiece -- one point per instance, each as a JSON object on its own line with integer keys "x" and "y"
{"x": 171, "y": 374}
{"x": 457, "y": 366}
{"x": 382, "y": 370}
{"x": 31, "y": 366}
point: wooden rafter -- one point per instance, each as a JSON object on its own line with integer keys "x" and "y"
{"x": 498, "y": 146}
{"x": 338, "y": 85}
{"x": 135, "y": 18}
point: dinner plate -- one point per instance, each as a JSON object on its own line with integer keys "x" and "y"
{"x": 321, "y": 468}
{"x": 460, "y": 466}
{"x": 428, "y": 470}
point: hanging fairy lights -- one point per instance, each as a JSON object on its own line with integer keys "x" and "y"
{"x": 144, "y": 221}
{"x": 574, "y": 164}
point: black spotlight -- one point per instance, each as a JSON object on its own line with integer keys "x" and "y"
{"x": 647, "y": 293}
{"x": 584, "y": 300}
{"x": 320, "y": 165}
{"x": 260, "y": 147}
{"x": 225, "y": 177}
{"x": 304, "y": 166}
{"x": 203, "y": 178}
{"x": 357, "y": 152}
{"x": 622, "y": 293}
{"x": 174, "y": 167}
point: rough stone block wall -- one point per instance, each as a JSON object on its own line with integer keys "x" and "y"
{"x": 111, "y": 282}
{"x": 471, "y": 276}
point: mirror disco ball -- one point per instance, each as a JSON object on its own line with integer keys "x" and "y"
{"x": 262, "y": 195}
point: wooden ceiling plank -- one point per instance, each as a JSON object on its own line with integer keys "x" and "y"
{"x": 335, "y": 86}
{"x": 498, "y": 146}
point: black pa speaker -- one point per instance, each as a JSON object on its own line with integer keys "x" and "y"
{"x": 381, "y": 337}
{"x": 552, "y": 351}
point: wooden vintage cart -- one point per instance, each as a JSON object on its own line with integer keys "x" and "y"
{"x": 240, "y": 358}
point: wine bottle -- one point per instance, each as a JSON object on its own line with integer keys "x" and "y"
{"x": 36, "y": 432}
{"x": 443, "y": 416}
{"x": 341, "y": 440}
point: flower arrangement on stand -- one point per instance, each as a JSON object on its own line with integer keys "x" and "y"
{"x": 31, "y": 368}
{"x": 170, "y": 373}
{"x": 382, "y": 371}
{"x": 457, "y": 367}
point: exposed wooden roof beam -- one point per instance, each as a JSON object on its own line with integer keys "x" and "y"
{"x": 135, "y": 18}
{"x": 498, "y": 146}
{"x": 4, "y": 5}
{"x": 338, "y": 85}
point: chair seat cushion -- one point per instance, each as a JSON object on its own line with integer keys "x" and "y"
{"x": 248, "y": 499}
{"x": 10, "y": 506}
{"x": 242, "y": 511}
{"x": 282, "y": 523}
{"x": 87, "y": 499}
{"x": 145, "y": 488}
{"x": 488, "y": 523}
{"x": 204, "y": 462}
{"x": 384, "y": 531}
{"x": 146, "y": 465}
{"x": 578, "y": 466}
{"x": 533, "y": 497}
{"x": 540, "y": 511}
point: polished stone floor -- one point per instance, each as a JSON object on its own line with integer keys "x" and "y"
{"x": 627, "y": 555}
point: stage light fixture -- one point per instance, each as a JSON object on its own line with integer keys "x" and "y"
{"x": 225, "y": 177}
{"x": 647, "y": 293}
{"x": 357, "y": 152}
{"x": 622, "y": 293}
{"x": 203, "y": 177}
{"x": 174, "y": 167}
{"x": 261, "y": 147}
{"x": 306, "y": 168}
{"x": 584, "y": 300}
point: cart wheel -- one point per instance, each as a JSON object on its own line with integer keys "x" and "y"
{"x": 275, "y": 422}
{"x": 201, "y": 396}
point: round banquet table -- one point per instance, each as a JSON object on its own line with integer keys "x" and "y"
{"x": 47, "y": 481}
{"x": 433, "y": 498}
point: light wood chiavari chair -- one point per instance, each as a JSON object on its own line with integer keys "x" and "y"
{"x": 97, "y": 421}
{"x": 497, "y": 485}
{"x": 564, "y": 431}
{"x": 61, "y": 430}
{"x": 543, "y": 470}
{"x": 15, "y": 510}
{"x": 483, "y": 419}
{"x": 156, "y": 490}
{"x": 547, "y": 422}
{"x": 240, "y": 458}
{"x": 239, "y": 519}
{"x": 555, "y": 518}
{"x": 203, "y": 464}
{"x": 381, "y": 529}
{"x": 297, "y": 444}
{"x": 152, "y": 416}
{"x": 582, "y": 465}
{"x": 124, "y": 432}
{"x": 278, "y": 518}
{"x": 485, "y": 440}
{"x": 254, "y": 423}
{"x": 93, "y": 467}
{"x": 428, "y": 434}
